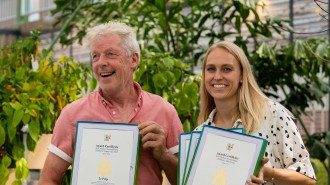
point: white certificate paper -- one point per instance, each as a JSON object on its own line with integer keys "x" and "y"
{"x": 224, "y": 157}
{"x": 183, "y": 152}
{"x": 105, "y": 154}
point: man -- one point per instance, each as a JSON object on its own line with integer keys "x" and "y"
{"x": 115, "y": 56}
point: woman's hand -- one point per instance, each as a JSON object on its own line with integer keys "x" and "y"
{"x": 260, "y": 179}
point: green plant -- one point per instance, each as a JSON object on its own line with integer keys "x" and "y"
{"x": 184, "y": 29}
{"x": 321, "y": 173}
{"x": 168, "y": 77}
{"x": 180, "y": 27}
{"x": 32, "y": 97}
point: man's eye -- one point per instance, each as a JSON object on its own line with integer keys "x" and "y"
{"x": 111, "y": 54}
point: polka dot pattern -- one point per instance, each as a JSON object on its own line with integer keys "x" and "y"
{"x": 285, "y": 148}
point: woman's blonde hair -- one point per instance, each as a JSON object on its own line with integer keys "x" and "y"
{"x": 252, "y": 101}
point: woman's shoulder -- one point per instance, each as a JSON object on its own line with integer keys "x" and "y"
{"x": 278, "y": 110}
{"x": 200, "y": 127}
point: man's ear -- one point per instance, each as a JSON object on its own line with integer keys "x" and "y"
{"x": 135, "y": 60}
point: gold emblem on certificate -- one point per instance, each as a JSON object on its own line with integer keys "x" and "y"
{"x": 220, "y": 178}
{"x": 107, "y": 137}
{"x": 230, "y": 146}
{"x": 104, "y": 168}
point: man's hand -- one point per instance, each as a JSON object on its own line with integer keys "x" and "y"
{"x": 153, "y": 139}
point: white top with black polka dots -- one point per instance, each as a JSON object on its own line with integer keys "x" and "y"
{"x": 285, "y": 147}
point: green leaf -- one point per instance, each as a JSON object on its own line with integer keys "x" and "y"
{"x": 168, "y": 63}
{"x": 18, "y": 115}
{"x": 159, "y": 80}
{"x": 34, "y": 129}
{"x": 47, "y": 124}
{"x": 18, "y": 151}
{"x": 26, "y": 118}
{"x": 11, "y": 129}
{"x": 51, "y": 107}
{"x": 186, "y": 126}
{"x": 319, "y": 151}
{"x": 264, "y": 51}
{"x": 31, "y": 144}
{"x": 4, "y": 175}
{"x": 20, "y": 73}
{"x": 327, "y": 138}
{"x": 2, "y": 135}
{"x": 8, "y": 110}
{"x": 21, "y": 170}
{"x": 93, "y": 83}
{"x": 17, "y": 182}
{"x": 16, "y": 105}
{"x": 34, "y": 106}
{"x": 6, "y": 161}
{"x": 299, "y": 51}
{"x": 2, "y": 78}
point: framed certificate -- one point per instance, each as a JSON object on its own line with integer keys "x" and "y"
{"x": 225, "y": 157}
{"x": 183, "y": 151}
{"x": 194, "y": 138}
{"x": 105, "y": 153}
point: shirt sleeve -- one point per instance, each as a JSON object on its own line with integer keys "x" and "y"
{"x": 174, "y": 128}
{"x": 62, "y": 142}
{"x": 291, "y": 150}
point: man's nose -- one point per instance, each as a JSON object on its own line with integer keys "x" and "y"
{"x": 103, "y": 60}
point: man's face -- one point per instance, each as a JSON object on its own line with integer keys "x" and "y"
{"x": 113, "y": 69}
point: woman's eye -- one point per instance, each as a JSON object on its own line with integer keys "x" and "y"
{"x": 210, "y": 69}
{"x": 227, "y": 69}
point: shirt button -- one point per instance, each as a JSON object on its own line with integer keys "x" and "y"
{"x": 113, "y": 112}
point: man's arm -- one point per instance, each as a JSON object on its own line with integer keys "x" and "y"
{"x": 53, "y": 170}
{"x": 153, "y": 138}
{"x": 169, "y": 163}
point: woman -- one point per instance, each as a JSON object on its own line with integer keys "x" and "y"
{"x": 230, "y": 97}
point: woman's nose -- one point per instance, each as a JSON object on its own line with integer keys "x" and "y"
{"x": 218, "y": 75}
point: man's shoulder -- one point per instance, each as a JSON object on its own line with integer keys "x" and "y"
{"x": 154, "y": 100}
{"x": 147, "y": 96}
{"x": 83, "y": 101}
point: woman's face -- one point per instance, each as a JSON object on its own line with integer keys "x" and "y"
{"x": 222, "y": 75}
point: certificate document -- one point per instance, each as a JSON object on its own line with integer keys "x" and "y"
{"x": 105, "y": 154}
{"x": 194, "y": 138}
{"x": 225, "y": 157}
{"x": 183, "y": 151}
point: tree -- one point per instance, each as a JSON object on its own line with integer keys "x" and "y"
{"x": 180, "y": 28}
{"x": 32, "y": 98}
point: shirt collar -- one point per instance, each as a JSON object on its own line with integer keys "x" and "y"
{"x": 136, "y": 86}
{"x": 210, "y": 121}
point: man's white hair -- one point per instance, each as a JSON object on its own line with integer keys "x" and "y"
{"x": 126, "y": 33}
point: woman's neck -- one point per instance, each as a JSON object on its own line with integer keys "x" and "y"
{"x": 226, "y": 115}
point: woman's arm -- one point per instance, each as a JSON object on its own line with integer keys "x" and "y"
{"x": 286, "y": 177}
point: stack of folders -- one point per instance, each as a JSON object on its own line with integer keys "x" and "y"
{"x": 219, "y": 156}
